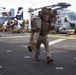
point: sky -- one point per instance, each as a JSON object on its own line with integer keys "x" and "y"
{"x": 33, "y": 3}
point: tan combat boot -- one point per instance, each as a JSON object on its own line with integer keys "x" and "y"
{"x": 49, "y": 59}
{"x": 36, "y": 57}
{"x": 29, "y": 48}
{"x": 33, "y": 46}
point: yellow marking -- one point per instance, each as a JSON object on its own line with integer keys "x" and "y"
{"x": 63, "y": 36}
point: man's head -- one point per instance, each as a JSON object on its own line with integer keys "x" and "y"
{"x": 45, "y": 14}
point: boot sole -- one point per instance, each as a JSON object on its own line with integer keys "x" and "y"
{"x": 29, "y": 48}
{"x": 48, "y": 62}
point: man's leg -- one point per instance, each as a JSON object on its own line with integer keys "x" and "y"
{"x": 48, "y": 52}
{"x": 30, "y": 41}
{"x": 33, "y": 41}
{"x": 38, "y": 49}
{"x": 35, "y": 38}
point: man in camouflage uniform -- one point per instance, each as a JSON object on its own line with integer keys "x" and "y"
{"x": 15, "y": 26}
{"x": 23, "y": 26}
{"x": 35, "y": 29}
{"x": 1, "y": 27}
{"x": 26, "y": 24}
{"x": 8, "y": 25}
{"x": 42, "y": 37}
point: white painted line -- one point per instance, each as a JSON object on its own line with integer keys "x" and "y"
{"x": 1, "y": 40}
{"x": 26, "y": 57}
{"x": 24, "y": 46}
{"x": 0, "y": 66}
{"x": 57, "y": 51}
{"x": 59, "y": 68}
{"x": 14, "y": 36}
{"x": 54, "y": 41}
{"x": 9, "y": 51}
{"x": 75, "y": 58}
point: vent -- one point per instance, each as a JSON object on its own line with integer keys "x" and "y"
{"x": 72, "y": 25}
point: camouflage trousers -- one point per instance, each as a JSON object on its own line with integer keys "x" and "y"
{"x": 43, "y": 40}
{"x": 15, "y": 28}
{"x": 34, "y": 37}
